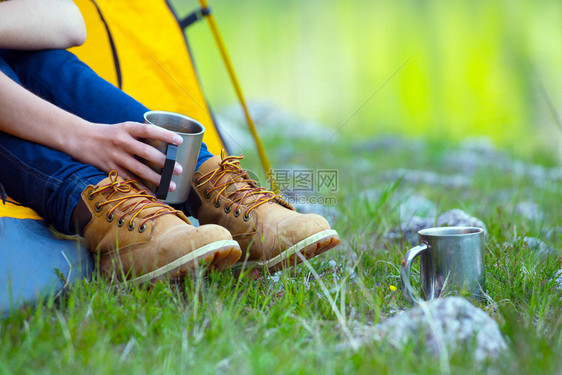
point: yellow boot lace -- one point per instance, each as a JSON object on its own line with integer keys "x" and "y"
{"x": 142, "y": 203}
{"x": 246, "y": 188}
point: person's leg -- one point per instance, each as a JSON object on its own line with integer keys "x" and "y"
{"x": 61, "y": 78}
{"x": 266, "y": 227}
{"x": 134, "y": 235}
{"x": 44, "y": 179}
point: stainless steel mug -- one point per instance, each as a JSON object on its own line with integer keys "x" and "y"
{"x": 451, "y": 261}
{"x": 186, "y": 154}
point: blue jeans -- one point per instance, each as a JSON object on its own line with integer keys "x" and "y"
{"x": 47, "y": 180}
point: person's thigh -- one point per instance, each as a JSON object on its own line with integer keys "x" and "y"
{"x": 61, "y": 78}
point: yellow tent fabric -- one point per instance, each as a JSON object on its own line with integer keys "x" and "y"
{"x": 155, "y": 64}
{"x": 156, "y": 67}
{"x": 17, "y": 212}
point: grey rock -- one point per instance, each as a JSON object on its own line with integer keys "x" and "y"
{"x": 409, "y": 228}
{"x": 442, "y": 326}
{"x": 555, "y": 173}
{"x": 539, "y": 173}
{"x": 372, "y": 195}
{"x": 558, "y": 281}
{"x": 409, "y": 204}
{"x": 539, "y": 246}
{"x": 330, "y": 213}
{"x": 477, "y": 154}
{"x": 553, "y": 234}
{"x": 427, "y": 177}
{"x": 414, "y": 205}
{"x": 481, "y": 145}
{"x": 459, "y": 218}
{"x": 237, "y": 139}
{"x": 359, "y": 166}
{"x": 467, "y": 162}
{"x": 529, "y": 210}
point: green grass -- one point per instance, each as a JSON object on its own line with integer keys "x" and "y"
{"x": 298, "y": 323}
{"x": 473, "y": 69}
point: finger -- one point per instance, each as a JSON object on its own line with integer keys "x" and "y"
{"x": 170, "y": 189}
{"x": 151, "y": 154}
{"x": 139, "y": 130}
{"x": 140, "y": 170}
{"x": 147, "y": 152}
{"x": 144, "y": 172}
{"x": 178, "y": 169}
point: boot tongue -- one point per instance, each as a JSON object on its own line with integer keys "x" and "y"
{"x": 123, "y": 189}
{"x": 239, "y": 183}
{"x": 231, "y": 171}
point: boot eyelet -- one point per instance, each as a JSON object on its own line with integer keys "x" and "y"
{"x": 110, "y": 217}
{"x": 120, "y": 222}
{"x": 247, "y": 216}
{"x": 218, "y": 203}
{"x": 237, "y": 212}
{"x": 97, "y": 208}
{"x": 91, "y": 195}
{"x": 142, "y": 228}
{"x": 227, "y": 208}
{"x": 131, "y": 226}
{"x": 206, "y": 194}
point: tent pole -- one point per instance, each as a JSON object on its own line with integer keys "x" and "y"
{"x": 228, "y": 64}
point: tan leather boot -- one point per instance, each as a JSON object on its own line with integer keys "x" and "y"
{"x": 139, "y": 238}
{"x": 270, "y": 233}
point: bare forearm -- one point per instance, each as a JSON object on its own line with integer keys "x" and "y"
{"x": 40, "y": 24}
{"x": 27, "y": 116}
{"x": 104, "y": 146}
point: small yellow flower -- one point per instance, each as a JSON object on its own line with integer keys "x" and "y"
{"x": 392, "y": 288}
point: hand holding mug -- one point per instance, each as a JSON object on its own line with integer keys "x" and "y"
{"x": 185, "y": 154}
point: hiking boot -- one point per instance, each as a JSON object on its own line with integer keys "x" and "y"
{"x": 139, "y": 238}
{"x": 270, "y": 232}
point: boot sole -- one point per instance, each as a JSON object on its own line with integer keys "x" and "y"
{"x": 218, "y": 255}
{"x": 310, "y": 247}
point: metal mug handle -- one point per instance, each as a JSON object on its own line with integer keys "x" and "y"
{"x": 410, "y": 293}
{"x": 167, "y": 172}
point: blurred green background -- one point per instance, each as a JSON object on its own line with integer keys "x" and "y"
{"x": 438, "y": 69}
